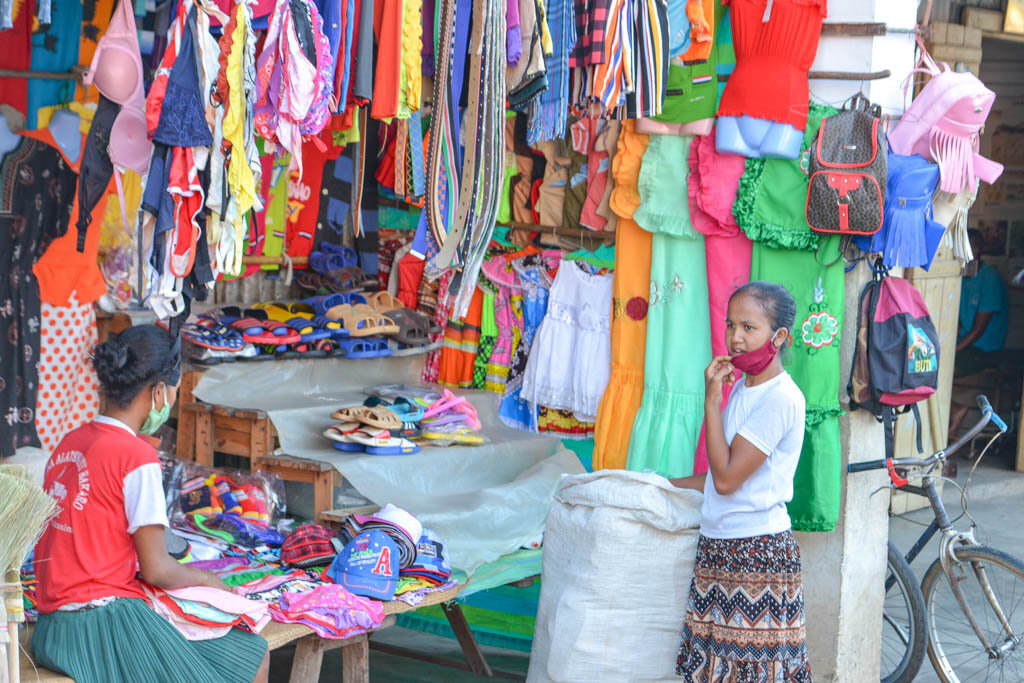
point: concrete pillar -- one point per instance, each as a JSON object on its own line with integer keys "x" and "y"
{"x": 844, "y": 571}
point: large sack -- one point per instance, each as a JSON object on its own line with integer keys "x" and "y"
{"x": 619, "y": 549}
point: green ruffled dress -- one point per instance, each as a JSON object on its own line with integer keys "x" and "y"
{"x": 667, "y": 426}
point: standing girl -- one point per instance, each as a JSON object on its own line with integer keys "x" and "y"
{"x": 94, "y": 622}
{"x": 745, "y": 616}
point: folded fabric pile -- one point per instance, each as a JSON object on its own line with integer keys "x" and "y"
{"x": 430, "y": 568}
{"x": 202, "y": 613}
{"x": 330, "y": 610}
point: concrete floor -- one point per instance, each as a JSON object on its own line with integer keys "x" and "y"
{"x": 996, "y": 501}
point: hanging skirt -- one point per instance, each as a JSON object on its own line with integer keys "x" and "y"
{"x": 745, "y": 616}
{"x": 126, "y": 642}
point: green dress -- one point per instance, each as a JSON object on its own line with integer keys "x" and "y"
{"x": 667, "y": 426}
{"x": 813, "y": 362}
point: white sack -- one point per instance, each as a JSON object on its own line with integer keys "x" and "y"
{"x": 619, "y": 549}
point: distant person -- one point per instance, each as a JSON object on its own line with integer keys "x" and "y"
{"x": 984, "y": 316}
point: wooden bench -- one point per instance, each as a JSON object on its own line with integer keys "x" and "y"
{"x": 309, "y": 647}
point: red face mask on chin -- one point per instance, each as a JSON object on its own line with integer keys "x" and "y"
{"x": 757, "y": 361}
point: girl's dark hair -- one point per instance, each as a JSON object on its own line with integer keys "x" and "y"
{"x": 136, "y": 358}
{"x": 775, "y": 300}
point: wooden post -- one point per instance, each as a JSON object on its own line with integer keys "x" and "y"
{"x": 309, "y": 659}
{"x": 204, "y": 437}
{"x": 355, "y": 660}
{"x": 187, "y": 419}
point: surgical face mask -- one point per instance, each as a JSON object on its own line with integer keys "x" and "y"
{"x": 156, "y": 418}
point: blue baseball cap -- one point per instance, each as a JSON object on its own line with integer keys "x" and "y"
{"x": 431, "y": 557}
{"x": 368, "y": 566}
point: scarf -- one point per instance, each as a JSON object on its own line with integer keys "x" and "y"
{"x": 813, "y": 363}
{"x": 770, "y": 204}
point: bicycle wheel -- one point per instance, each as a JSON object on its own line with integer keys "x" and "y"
{"x": 953, "y": 647}
{"x": 903, "y": 622}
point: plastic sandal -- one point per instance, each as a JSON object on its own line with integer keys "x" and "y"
{"x": 363, "y": 321}
{"x": 411, "y": 328}
{"x": 308, "y": 330}
{"x": 340, "y": 436}
{"x": 349, "y": 279}
{"x": 351, "y": 257}
{"x": 325, "y": 302}
{"x": 374, "y": 416}
{"x": 460, "y": 435}
{"x": 447, "y": 401}
{"x": 385, "y": 302}
{"x": 254, "y": 332}
{"x": 219, "y": 338}
{"x": 309, "y": 280}
{"x": 364, "y": 347}
{"x": 396, "y": 446}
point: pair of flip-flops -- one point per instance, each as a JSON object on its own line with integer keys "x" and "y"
{"x": 452, "y": 419}
{"x": 356, "y": 438}
{"x": 213, "y": 335}
{"x": 414, "y": 327}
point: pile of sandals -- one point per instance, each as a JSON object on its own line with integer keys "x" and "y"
{"x": 399, "y": 424}
{"x": 349, "y": 325}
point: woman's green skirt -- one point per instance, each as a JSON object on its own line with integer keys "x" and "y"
{"x": 128, "y": 642}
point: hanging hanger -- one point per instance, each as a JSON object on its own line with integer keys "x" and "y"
{"x": 602, "y": 257}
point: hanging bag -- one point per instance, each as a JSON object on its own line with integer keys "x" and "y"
{"x": 847, "y": 170}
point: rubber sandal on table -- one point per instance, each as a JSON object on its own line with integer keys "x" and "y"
{"x": 378, "y": 417}
{"x": 325, "y": 302}
{"x": 254, "y": 332}
{"x": 447, "y": 401}
{"x": 308, "y": 330}
{"x": 460, "y": 436}
{"x": 211, "y": 338}
{"x": 363, "y": 321}
{"x": 380, "y": 442}
{"x": 404, "y": 409}
{"x": 340, "y": 438}
{"x": 365, "y": 347}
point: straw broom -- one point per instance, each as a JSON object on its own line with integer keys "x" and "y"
{"x": 25, "y": 510}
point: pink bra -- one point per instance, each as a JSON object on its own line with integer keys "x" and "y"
{"x": 116, "y": 67}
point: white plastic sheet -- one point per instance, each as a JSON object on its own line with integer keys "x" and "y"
{"x": 484, "y": 501}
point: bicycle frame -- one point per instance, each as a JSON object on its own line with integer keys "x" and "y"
{"x": 951, "y": 565}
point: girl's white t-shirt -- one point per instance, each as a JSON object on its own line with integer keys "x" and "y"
{"x": 771, "y": 417}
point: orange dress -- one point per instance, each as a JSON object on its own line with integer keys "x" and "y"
{"x": 632, "y": 286}
{"x": 63, "y": 269}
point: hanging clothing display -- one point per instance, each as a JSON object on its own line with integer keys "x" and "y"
{"x": 813, "y": 363}
{"x": 632, "y": 286}
{"x": 68, "y": 388}
{"x": 777, "y": 37}
{"x": 714, "y": 179}
{"x": 35, "y": 209}
{"x": 63, "y": 270}
{"x": 667, "y": 426}
{"x": 576, "y": 327}
{"x": 771, "y": 202}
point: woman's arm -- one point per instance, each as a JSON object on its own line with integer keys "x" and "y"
{"x": 163, "y": 571}
{"x": 694, "y": 481}
{"x": 730, "y": 466}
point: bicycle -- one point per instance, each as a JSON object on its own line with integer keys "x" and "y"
{"x": 966, "y": 627}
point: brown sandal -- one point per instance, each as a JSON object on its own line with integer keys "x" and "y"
{"x": 362, "y": 321}
{"x": 377, "y": 416}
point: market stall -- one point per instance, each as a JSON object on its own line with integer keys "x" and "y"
{"x": 424, "y": 259}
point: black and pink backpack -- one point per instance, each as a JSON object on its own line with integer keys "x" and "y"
{"x": 896, "y": 359}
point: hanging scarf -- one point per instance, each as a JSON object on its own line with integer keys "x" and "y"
{"x": 549, "y": 112}
{"x": 813, "y": 363}
{"x": 771, "y": 201}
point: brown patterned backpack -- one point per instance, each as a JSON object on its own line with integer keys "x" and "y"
{"x": 847, "y": 169}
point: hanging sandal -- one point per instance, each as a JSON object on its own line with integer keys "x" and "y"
{"x": 310, "y": 280}
{"x": 351, "y": 279}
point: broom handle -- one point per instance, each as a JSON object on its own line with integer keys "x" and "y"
{"x": 11, "y": 594}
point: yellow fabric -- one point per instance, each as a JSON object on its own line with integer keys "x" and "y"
{"x": 545, "y": 33}
{"x": 85, "y": 113}
{"x": 412, "y": 46}
{"x": 240, "y": 176}
{"x": 113, "y": 234}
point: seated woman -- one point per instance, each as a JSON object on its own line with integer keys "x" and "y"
{"x": 94, "y": 622}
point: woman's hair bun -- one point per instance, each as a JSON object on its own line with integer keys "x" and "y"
{"x": 132, "y": 360}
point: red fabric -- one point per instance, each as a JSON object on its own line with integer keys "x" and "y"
{"x": 387, "y": 25}
{"x": 308, "y": 543}
{"x": 772, "y": 59}
{"x": 17, "y": 54}
{"x": 304, "y": 195}
{"x": 410, "y": 272}
{"x": 86, "y": 552}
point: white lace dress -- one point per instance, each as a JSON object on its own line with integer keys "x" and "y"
{"x": 570, "y": 360}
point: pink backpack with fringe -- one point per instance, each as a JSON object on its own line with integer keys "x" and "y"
{"x": 943, "y": 124}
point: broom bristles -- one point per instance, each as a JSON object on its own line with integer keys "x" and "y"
{"x": 19, "y": 471}
{"x": 25, "y": 511}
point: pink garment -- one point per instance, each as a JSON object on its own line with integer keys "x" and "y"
{"x": 652, "y": 127}
{"x": 331, "y": 611}
{"x": 256, "y": 610}
{"x": 185, "y": 627}
{"x": 713, "y": 182}
{"x": 597, "y": 177}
